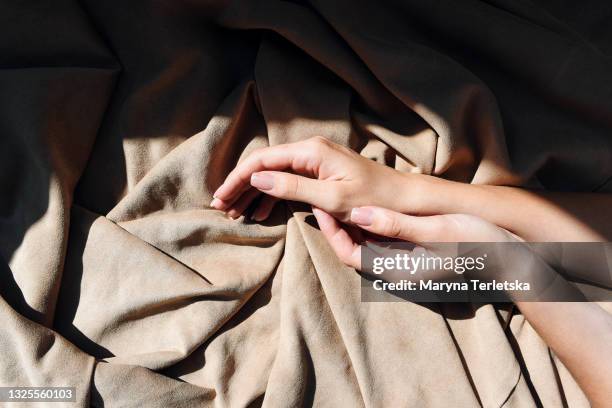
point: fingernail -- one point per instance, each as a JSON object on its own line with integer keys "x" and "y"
{"x": 255, "y": 215}
{"x": 262, "y": 181}
{"x": 259, "y": 216}
{"x": 362, "y": 216}
{"x": 216, "y": 203}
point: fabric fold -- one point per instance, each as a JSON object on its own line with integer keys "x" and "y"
{"x": 119, "y": 120}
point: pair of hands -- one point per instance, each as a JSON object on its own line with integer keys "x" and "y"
{"x": 352, "y": 197}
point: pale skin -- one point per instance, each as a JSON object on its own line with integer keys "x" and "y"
{"x": 348, "y": 191}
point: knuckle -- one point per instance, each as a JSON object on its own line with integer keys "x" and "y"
{"x": 392, "y": 227}
{"x": 281, "y": 185}
{"x": 336, "y": 198}
{"x": 319, "y": 140}
{"x": 287, "y": 186}
{"x": 333, "y": 203}
{"x": 294, "y": 186}
{"x": 258, "y": 150}
{"x": 343, "y": 258}
{"x": 317, "y": 144}
{"x": 257, "y": 153}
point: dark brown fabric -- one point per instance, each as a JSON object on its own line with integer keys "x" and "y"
{"x": 118, "y": 119}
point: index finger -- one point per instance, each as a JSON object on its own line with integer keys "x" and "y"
{"x": 280, "y": 157}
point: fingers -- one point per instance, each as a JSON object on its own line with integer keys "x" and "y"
{"x": 299, "y": 157}
{"x": 274, "y": 158}
{"x": 292, "y": 187}
{"x": 347, "y": 250}
{"x": 241, "y": 204}
{"x": 263, "y": 210}
{"x": 396, "y": 225}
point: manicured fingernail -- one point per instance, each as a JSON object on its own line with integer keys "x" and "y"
{"x": 362, "y": 216}
{"x": 262, "y": 181}
{"x": 216, "y": 193}
{"x": 216, "y": 203}
{"x": 258, "y": 216}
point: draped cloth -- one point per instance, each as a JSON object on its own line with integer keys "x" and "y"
{"x": 119, "y": 119}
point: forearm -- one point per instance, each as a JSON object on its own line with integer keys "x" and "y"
{"x": 534, "y": 216}
{"x": 580, "y": 334}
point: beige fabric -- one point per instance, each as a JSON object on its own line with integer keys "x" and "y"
{"x": 118, "y": 120}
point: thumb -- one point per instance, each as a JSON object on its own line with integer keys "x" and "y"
{"x": 292, "y": 187}
{"x": 396, "y": 225}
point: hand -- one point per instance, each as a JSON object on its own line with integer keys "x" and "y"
{"x": 504, "y": 262}
{"x": 319, "y": 172}
{"x": 394, "y": 225}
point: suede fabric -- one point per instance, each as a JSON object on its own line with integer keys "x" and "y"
{"x": 119, "y": 119}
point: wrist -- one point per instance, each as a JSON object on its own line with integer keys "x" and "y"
{"x": 429, "y": 195}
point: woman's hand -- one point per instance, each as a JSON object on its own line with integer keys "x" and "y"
{"x": 508, "y": 257}
{"x": 393, "y": 225}
{"x": 580, "y": 333}
{"x": 324, "y": 174}
{"x": 336, "y": 179}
